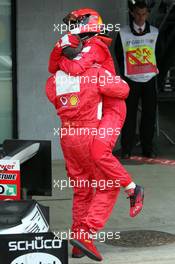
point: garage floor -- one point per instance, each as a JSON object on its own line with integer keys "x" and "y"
{"x": 159, "y": 208}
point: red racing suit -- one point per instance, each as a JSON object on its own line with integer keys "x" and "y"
{"x": 78, "y": 107}
{"x": 95, "y": 50}
{"x": 114, "y": 111}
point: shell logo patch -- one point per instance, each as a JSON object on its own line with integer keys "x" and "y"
{"x": 73, "y": 100}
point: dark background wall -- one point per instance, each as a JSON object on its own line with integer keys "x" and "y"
{"x": 35, "y": 39}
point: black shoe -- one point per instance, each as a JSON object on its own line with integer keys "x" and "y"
{"x": 151, "y": 155}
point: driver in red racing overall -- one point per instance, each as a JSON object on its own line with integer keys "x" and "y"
{"x": 95, "y": 52}
{"x": 77, "y": 104}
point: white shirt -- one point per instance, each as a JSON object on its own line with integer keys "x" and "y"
{"x": 137, "y": 28}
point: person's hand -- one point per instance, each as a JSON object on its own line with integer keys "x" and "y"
{"x": 69, "y": 40}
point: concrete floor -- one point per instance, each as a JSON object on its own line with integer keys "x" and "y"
{"x": 159, "y": 207}
{"x": 158, "y": 214}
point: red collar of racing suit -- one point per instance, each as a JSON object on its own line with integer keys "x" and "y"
{"x": 106, "y": 40}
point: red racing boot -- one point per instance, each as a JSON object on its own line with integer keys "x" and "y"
{"x": 85, "y": 244}
{"x": 136, "y": 197}
{"x": 77, "y": 253}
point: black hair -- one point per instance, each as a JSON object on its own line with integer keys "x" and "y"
{"x": 140, "y": 5}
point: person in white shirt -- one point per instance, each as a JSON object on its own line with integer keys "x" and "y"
{"x": 135, "y": 51}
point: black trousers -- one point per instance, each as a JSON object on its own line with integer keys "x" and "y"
{"x": 147, "y": 93}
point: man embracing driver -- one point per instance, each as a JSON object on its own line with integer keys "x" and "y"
{"x": 90, "y": 210}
